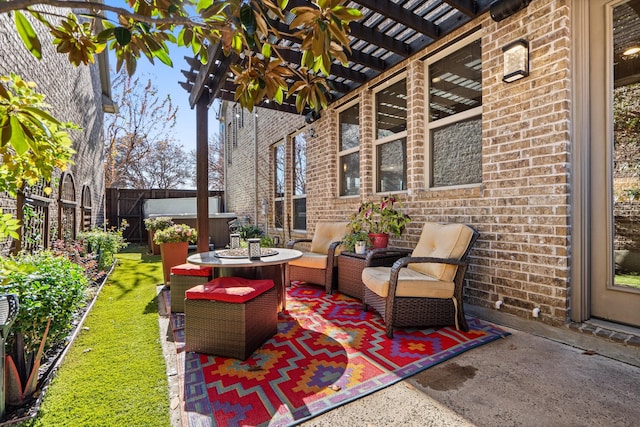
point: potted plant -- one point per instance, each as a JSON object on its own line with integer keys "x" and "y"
{"x": 378, "y": 220}
{"x": 154, "y": 224}
{"x": 174, "y": 246}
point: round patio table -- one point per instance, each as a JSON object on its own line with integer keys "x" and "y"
{"x": 272, "y": 267}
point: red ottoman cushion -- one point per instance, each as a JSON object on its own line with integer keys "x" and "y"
{"x": 230, "y": 289}
{"x": 191, "y": 270}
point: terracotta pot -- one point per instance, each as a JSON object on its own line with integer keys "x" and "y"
{"x": 379, "y": 240}
{"x": 155, "y": 248}
{"x": 172, "y": 254}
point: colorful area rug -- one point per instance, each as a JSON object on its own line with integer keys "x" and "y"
{"x": 327, "y": 352}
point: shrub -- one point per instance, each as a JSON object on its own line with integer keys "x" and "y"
{"x": 76, "y": 251}
{"x": 250, "y": 231}
{"x": 48, "y": 287}
{"x": 176, "y": 233}
{"x": 105, "y": 244}
{"x": 158, "y": 223}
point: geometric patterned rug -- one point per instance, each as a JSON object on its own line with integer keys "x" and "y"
{"x": 327, "y": 352}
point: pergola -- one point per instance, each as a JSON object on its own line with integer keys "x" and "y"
{"x": 389, "y": 32}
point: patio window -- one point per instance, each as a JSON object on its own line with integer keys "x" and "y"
{"x": 300, "y": 181}
{"x": 391, "y": 137}
{"x": 455, "y": 115}
{"x": 278, "y": 179}
{"x": 349, "y": 151}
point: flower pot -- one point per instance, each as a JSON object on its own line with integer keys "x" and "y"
{"x": 172, "y": 254}
{"x": 379, "y": 240}
{"x": 155, "y": 248}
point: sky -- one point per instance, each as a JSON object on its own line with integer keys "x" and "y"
{"x": 166, "y": 80}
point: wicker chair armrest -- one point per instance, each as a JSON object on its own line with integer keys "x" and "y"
{"x": 293, "y": 242}
{"x": 384, "y": 251}
{"x": 403, "y": 262}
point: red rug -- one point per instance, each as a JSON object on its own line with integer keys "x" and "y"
{"x": 327, "y": 352}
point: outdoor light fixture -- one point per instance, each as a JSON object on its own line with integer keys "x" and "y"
{"x": 311, "y": 117}
{"x": 254, "y": 249}
{"x": 501, "y": 9}
{"x": 516, "y": 61}
{"x": 235, "y": 241}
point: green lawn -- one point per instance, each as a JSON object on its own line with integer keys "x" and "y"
{"x": 632, "y": 280}
{"x": 114, "y": 373}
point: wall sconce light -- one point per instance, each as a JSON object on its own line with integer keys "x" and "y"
{"x": 516, "y": 61}
{"x": 254, "y": 249}
{"x": 501, "y": 9}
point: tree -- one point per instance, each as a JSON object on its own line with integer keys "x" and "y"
{"x": 215, "y": 162}
{"x": 141, "y": 124}
{"x": 245, "y": 28}
{"x": 165, "y": 166}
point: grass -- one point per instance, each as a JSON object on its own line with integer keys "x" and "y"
{"x": 632, "y": 280}
{"x": 114, "y": 374}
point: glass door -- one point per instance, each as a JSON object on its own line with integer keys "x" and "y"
{"x": 615, "y": 165}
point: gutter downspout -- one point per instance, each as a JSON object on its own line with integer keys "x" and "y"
{"x": 255, "y": 166}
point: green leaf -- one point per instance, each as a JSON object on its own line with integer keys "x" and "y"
{"x": 104, "y": 35}
{"x": 42, "y": 114}
{"x": 28, "y": 34}
{"x": 123, "y": 35}
{"x": 18, "y": 140}
{"x": 248, "y": 20}
{"x": 266, "y": 50}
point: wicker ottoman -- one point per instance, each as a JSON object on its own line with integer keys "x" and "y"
{"x": 230, "y": 316}
{"x": 183, "y": 277}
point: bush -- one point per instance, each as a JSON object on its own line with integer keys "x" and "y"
{"x": 250, "y": 231}
{"x": 158, "y": 223}
{"x": 105, "y": 244}
{"x": 48, "y": 287}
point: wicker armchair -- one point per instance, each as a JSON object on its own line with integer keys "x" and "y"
{"x": 319, "y": 265}
{"x": 424, "y": 289}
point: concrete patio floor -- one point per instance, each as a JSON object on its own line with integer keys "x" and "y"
{"x": 521, "y": 380}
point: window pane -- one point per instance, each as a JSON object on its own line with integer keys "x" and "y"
{"x": 278, "y": 214}
{"x": 300, "y": 214}
{"x": 350, "y": 128}
{"x": 391, "y": 109}
{"x": 392, "y": 166}
{"x": 300, "y": 166}
{"x": 350, "y": 174}
{"x": 279, "y": 159}
{"x": 457, "y": 153}
{"x": 456, "y": 82}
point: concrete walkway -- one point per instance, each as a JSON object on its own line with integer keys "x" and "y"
{"x": 521, "y": 380}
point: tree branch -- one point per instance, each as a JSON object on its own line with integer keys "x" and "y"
{"x": 9, "y": 6}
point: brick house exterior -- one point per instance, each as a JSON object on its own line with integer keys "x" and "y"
{"x": 530, "y": 207}
{"x": 75, "y": 94}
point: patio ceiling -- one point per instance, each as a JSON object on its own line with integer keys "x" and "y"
{"x": 388, "y": 32}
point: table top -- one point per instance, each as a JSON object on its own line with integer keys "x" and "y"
{"x": 209, "y": 258}
{"x": 387, "y": 252}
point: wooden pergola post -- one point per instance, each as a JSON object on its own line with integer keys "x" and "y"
{"x": 202, "y": 171}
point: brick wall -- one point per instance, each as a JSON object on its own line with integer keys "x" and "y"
{"x": 521, "y": 208}
{"x": 74, "y": 94}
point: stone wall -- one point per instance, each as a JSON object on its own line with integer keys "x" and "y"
{"x": 75, "y": 95}
{"x": 521, "y": 208}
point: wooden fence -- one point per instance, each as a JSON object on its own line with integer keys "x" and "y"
{"x": 127, "y": 204}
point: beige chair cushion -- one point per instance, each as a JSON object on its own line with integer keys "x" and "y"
{"x": 311, "y": 260}
{"x": 327, "y": 233}
{"x": 441, "y": 241}
{"x": 410, "y": 283}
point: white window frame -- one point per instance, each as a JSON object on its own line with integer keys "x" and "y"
{"x": 456, "y": 118}
{"x": 381, "y": 141}
{"x": 344, "y": 153}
